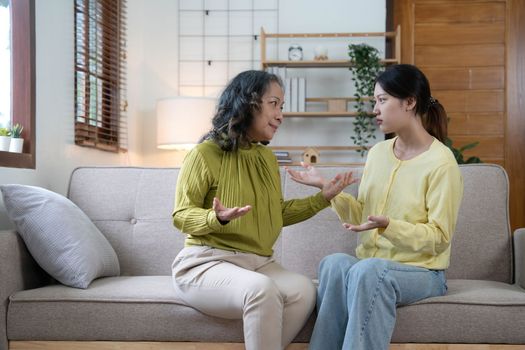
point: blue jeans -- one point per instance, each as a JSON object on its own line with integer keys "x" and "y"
{"x": 357, "y": 299}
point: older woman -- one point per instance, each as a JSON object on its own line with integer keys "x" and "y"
{"x": 230, "y": 205}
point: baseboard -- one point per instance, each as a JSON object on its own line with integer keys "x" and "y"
{"x": 117, "y": 345}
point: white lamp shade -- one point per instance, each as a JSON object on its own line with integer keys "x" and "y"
{"x": 182, "y": 121}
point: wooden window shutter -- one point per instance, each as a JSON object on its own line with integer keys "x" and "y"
{"x": 100, "y": 74}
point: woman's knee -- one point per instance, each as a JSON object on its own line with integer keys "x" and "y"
{"x": 262, "y": 287}
{"x": 336, "y": 262}
{"x": 306, "y": 290}
{"x": 369, "y": 267}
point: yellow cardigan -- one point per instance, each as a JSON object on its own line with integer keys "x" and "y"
{"x": 420, "y": 196}
{"x": 244, "y": 177}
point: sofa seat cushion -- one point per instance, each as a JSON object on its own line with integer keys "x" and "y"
{"x": 145, "y": 308}
{"x": 114, "y": 308}
{"x": 472, "y": 311}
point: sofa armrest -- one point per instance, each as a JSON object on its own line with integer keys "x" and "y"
{"x": 18, "y": 271}
{"x": 519, "y": 257}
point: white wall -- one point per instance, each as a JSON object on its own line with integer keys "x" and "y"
{"x": 153, "y": 58}
{"x": 56, "y": 153}
{"x": 152, "y": 71}
{"x": 152, "y": 74}
{"x": 332, "y": 16}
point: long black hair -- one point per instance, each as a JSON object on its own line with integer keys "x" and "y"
{"x": 405, "y": 81}
{"x": 234, "y": 115}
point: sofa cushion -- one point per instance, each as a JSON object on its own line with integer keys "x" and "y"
{"x": 124, "y": 308}
{"x": 146, "y": 308}
{"x": 471, "y": 312}
{"x": 59, "y": 236}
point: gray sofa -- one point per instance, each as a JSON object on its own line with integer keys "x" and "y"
{"x": 132, "y": 208}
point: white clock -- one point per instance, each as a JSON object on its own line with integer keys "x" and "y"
{"x": 295, "y": 53}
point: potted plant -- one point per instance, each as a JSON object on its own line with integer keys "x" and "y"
{"x": 458, "y": 152}
{"x": 5, "y": 139}
{"x": 366, "y": 67}
{"x": 17, "y": 142}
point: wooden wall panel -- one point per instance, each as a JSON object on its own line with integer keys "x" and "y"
{"x": 473, "y": 53}
{"x": 471, "y": 100}
{"x": 460, "y": 46}
{"x": 465, "y": 78}
{"x": 459, "y": 33}
{"x": 460, "y": 55}
{"x": 476, "y": 123}
{"x": 459, "y": 12}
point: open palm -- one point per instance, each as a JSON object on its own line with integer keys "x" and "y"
{"x": 227, "y": 214}
{"x": 311, "y": 177}
{"x": 373, "y": 222}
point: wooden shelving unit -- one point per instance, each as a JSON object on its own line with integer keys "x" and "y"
{"x": 320, "y": 148}
{"x": 395, "y": 35}
{"x": 319, "y": 114}
{"x": 266, "y": 63}
{"x": 317, "y": 64}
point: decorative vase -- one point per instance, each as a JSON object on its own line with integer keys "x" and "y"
{"x": 320, "y": 53}
{"x": 16, "y": 145}
{"x": 4, "y": 143}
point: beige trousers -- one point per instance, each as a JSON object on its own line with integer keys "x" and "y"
{"x": 273, "y": 303}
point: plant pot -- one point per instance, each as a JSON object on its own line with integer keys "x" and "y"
{"x": 4, "y": 143}
{"x": 16, "y": 145}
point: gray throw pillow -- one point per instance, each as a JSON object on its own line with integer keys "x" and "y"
{"x": 59, "y": 236}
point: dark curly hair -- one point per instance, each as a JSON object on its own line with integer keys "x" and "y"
{"x": 234, "y": 115}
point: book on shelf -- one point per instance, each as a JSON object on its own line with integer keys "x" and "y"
{"x": 279, "y": 71}
{"x": 281, "y": 154}
{"x": 287, "y": 95}
{"x": 284, "y": 161}
{"x": 301, "y": 95}
{"x": 283, "y": 157}
{"x": 294, "y": 91}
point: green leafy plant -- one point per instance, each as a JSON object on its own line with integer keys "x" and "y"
{"x": 4, "y": 132}
{"x": 458, "y": 152}
{"x": 16, "y": 131}
{"x": 365, "y": 68}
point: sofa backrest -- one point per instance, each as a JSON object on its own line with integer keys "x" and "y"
{"x": 481, "y": 245}
{"x": 132, "y": 207}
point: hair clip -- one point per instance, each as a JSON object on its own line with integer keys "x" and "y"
{"x": 433, "y": 101}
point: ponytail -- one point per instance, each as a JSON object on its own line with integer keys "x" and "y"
{"x": 435, "y": 120}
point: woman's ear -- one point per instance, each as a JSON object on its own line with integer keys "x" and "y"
{"x": 410, "y": 103}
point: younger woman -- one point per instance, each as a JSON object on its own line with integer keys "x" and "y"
{"x": 405, "y": 213}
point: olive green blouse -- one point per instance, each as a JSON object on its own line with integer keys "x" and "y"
{"x": 244, "y": 177}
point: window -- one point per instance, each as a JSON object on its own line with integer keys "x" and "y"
{"x": 19, "y": 82}
{"x": 100, "y": 63}
{"x": 5, "y": 64}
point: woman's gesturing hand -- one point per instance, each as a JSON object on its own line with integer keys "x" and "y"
{"x": 333, "y": 187}
{"x": 227, "y": 214}
{"x": 379, "y": 221}
{"x": 311, "y": 177}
